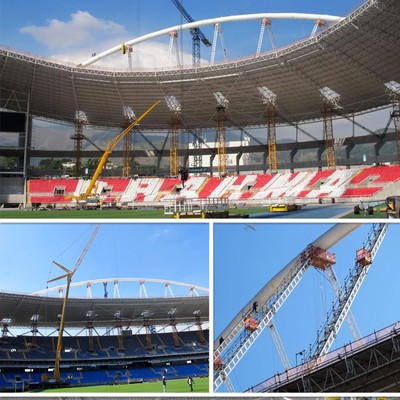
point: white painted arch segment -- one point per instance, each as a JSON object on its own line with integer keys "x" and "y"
{"x": 211, "y": 21}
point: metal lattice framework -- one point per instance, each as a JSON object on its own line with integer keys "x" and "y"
{"x": 345, "y": 56}
{"x": 361, "y": 366}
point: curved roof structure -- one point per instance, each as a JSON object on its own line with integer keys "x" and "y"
{"x": 354, "y": 57}
{"x": 20, "y": 308}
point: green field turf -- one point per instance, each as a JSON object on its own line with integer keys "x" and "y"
{"x": 364, "y": 214}
{"x": 173, "y": 386}
{"x": 113, "y": 213}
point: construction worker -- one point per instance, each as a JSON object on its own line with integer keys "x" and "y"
{"x": 190, "y": 383}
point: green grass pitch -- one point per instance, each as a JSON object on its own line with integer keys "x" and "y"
{"x": 201, "y": 385}
{"x": 111, "y": 213}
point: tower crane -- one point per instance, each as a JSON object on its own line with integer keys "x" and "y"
{"x": 69, "y": 274}
{"x": 196, "y": 33}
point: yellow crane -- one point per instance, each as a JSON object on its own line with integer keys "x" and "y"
{"x": 110, "y": 147}
{"x": 69, "y": 274}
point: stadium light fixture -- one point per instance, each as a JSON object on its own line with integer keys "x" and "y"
{"x": 35, "y": 317}
{"x": 393, "y": 86}
{"x": 173, "y": 104}
{"x": 221, "y": 99}
{"x": 146, "y": 314}
{"x": 330, "y": 96}
{"x": 6, "y": 321}
{"x": 269, "y": 97}
{"x": 129, "y": 113}
{"x": 81, "y": 117}
{"x": 172, "y": 311}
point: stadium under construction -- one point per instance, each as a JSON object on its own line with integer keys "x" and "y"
{"x": 335, "y": 74}
{"x": 144, "y": 330}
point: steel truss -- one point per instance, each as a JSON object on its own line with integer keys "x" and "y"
{"x": 235, "y": 346}
{"x": 347, "y": 294}
{"x": 221, "y": 134}
{"x": 371, "y": 368}
{"x": 174, "y": 146}
{"x": 127, "y": 157}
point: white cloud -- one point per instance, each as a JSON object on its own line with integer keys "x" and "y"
{"x": 82, "y": 29}
{"x": 77, "y": 39}
{"x": 146, "y": 55}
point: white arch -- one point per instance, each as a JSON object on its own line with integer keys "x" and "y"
{"x": 115, "y": 281}
{"x": 211, "y": 21}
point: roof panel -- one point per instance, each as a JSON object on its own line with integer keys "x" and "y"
{"x": 21, "y": 307}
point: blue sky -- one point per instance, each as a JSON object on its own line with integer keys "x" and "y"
{"x": 246, "y": 259}
{"x": 176, "y": 252}
{"x": 73, "y": 30}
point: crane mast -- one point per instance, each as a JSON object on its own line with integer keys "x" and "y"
{"x": 197, "y": 34}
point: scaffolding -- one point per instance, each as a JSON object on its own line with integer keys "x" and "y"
{"x": 118, "y": 325}
{"x": 328, "y": 137}
{"x": 127, "y": 151}
{"x": 331, "y": 102}
{"x": 200, "y": 331}
{"x": 175, "y": 335}
{"x": 90, "y": 328}
{"x": 197, "y": 145}
{"x": 221, "y": 136}
{"x": 269, "y": 99}
{"x": 173, "y": 149}
{"x": 78, "y": 140}
{"x": 272, "y": 151}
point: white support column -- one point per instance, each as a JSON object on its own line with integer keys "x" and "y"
{"x": 279, "y": 345}
{"x": 89, "y": 290}
{"x": 214, "y": 43}
{"x": 116, "y": 290}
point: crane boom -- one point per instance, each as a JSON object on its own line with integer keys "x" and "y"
{"x": 110, "y": 147}
{"x": 68, "y": 275}
{"x": 194, "y": 31}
